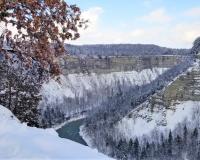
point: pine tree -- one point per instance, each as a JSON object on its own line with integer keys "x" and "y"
{"x": 170, "y": 140}
{"x": 136, "y": 148}
{"x": 148, "y": 149}
{"x": 163, "y": 145}
{"x": 143, "y": 154}
{"x": 130, "y": 144}
{"x": 198, "y": 153}
{"x": 193, "y": 152}
{"x": 179, "y": 146}
{"x": 185, "y": 135}
{"x": 195, "y": 133}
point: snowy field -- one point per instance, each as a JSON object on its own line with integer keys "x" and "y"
{"x": 17, "y": 141}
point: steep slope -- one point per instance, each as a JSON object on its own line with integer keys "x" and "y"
{"x": 144, "y": 122}
{"x": 21, "y": 142}
{"x": 75, "y": 84}
{"x": 166, "y": 126}
{"x": 166, "y": 109}
{"x": 76, "y": 93}
{"x": 118, "y": 127}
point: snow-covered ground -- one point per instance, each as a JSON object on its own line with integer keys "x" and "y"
{"x": 144, "y": 122}
{"x": 17, "y": 141}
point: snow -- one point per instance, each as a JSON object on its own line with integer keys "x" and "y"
{"x": 144, "y": 122}
{"x": 85, "y": 136}
{"x": 2, "y": 92}
{"x": 74, "y": 85}
{"x": 18, "y": 141}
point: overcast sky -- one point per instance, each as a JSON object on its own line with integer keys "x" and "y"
{"x": 170, "y": 23}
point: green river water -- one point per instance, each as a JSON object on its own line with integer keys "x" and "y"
{"x": 71, "y": 131}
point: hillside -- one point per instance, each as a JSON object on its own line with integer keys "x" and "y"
{"x": 166, "y": 125}
{"x": 76, "y": 94}
{"x": 167, "y": 108}
{"x": 123, "y": 49}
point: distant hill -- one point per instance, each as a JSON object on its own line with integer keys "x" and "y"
{"x": 123, "y": 49}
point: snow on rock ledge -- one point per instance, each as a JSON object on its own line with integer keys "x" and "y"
{"x": 17, "y": 141}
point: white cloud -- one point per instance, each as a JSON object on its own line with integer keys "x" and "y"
{"x": 92, "y": 34}
{"x": 93, "y": 14}
{"x": 162, "y": 32}
{"x": 165, "y": 33}
{"x": 157, "y": 16}
{"x": 193, "y": 12}
{"x": 186, "y": 33}
{"x": 179, "y": 35}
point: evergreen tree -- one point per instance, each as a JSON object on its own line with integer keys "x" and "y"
{"x": 136, "y": 148}
{"x": 163, "y": 145}
{"x": 130, "y": 145}
{"x": 195, "y": 133}
{"x": 198, "y": 153}
{"x": 193, "y": 152}
{"x": 143, "y": 154}
{"x": 185, "y": 135}
{"x": 170, "y": 140}
{"x": 148, "y": 149}
{"x": 178, "y": 146}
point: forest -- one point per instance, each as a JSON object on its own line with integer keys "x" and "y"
{"x": 124, "y": 50}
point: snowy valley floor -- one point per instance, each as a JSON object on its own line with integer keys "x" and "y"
{"x": 17, "y": 141}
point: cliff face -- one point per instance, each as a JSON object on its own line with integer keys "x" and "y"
{"x": 77, "y": 93}
{"x": 83, "y": 88}
{"x": 105, "y": 64}
{"x": 86, "y": 83}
